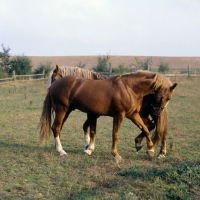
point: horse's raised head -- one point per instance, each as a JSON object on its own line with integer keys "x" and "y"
{"x": 55, "y": 75}
{"x": 162, "y": 96}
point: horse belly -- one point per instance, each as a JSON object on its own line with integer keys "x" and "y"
{"x": 92, "y": 105}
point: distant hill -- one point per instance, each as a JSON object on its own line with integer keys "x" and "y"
{"x": 91, "y": 61}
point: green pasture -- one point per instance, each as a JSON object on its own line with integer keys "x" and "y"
{"x": 31, "y": 171}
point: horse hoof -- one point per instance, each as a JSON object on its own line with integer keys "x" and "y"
{"x": 150, "y": 153}
{"x": 63, "y": 153}
{"x": 87, "y": 152}
{"x": 118, "y": 158}
{"x": 138, "y": 148}
{"x": 160, "y": 156}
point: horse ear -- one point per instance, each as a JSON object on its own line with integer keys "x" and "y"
{"x": 56, "y": 70}
{"x": 173, "y": 86}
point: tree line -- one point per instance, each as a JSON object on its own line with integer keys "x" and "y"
{"x": 22, "y": 65}
{"x": 104, "y": 65}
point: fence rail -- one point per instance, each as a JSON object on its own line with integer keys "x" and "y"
{"x": 30, "y": 77}
{"x": 22, "y": 78}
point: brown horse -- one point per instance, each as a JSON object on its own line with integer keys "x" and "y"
{"x": 118, "y": 97}
{"x": 149, "y": 108}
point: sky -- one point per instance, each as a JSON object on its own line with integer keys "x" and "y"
{"x": 101, "y": 27}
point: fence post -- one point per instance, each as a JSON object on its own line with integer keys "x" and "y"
{"x": 188, "y": 71}
{"x": 43, "y": 73}
{"x": 14, "y": 75}
{"x": 110, "y": 70}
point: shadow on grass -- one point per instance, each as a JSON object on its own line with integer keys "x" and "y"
{"x": 20, "y": 147}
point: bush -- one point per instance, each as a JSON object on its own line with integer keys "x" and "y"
{"x": 163, "y": 67}
{"x": 102, "y": 65}
{"x": 44, "y": 67}
{"x": 81, "y": 65}
{"x": 121, "y": 69}
{"x": 21, "y": 64}
{"x": 3, "y": 73}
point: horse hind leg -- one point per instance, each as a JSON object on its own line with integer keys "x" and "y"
{"x": 86, "y": 135}
{"x": 92, "y": 120}
{"x": 60, "y": 117}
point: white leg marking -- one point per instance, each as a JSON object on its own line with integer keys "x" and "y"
{"x": 91, "y": 147}
{"x": 89, "y": 150}
{"x": 139, "y": 145}
{"x": 87, "y": 139}
{"x": 59, "y": 146}
{"x": 160, "y": 156}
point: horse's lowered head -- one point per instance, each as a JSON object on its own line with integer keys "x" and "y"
{"x": 161, "y": 99}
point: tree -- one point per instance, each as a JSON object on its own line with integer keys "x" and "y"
{"x": 163, "y": 67}
{"x": 5, "y": 58}
{"x": 142, "y": 64}
{"x": 21, "y": 64}
{"x": 44, "y": 67}
{"x": 102, "y": 64}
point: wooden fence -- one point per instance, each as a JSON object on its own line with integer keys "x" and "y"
{"x": 23, "y": 77}
{"x": 16, "y": 78}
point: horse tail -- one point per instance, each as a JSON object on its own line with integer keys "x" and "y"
{"x": 45, "y": 119}
{"x": 161, "y": 127}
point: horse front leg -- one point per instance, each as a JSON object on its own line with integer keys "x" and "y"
{"x": 138, "y": 140}
{"x": 92, "y": 121}
{"x": 117, "y": 121}
{"x": 136, "y": 119}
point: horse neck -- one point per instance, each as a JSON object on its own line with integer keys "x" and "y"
{"x": 140, "y": 85}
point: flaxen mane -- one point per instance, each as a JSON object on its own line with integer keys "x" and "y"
{"x": 77, "y": 71}
{"x": 162, "y": 81}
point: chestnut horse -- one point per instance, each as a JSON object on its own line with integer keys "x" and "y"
{"x": 118, "y": 97}
{"x": 159, "y": 121}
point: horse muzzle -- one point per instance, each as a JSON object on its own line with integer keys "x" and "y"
{"x": 157, "y": 111}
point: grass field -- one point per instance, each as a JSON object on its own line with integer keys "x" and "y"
{"x": 31, "y": 171}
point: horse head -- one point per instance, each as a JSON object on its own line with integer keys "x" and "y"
{"x": 55, "y": 75}
{"x": 162, "y": 96}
